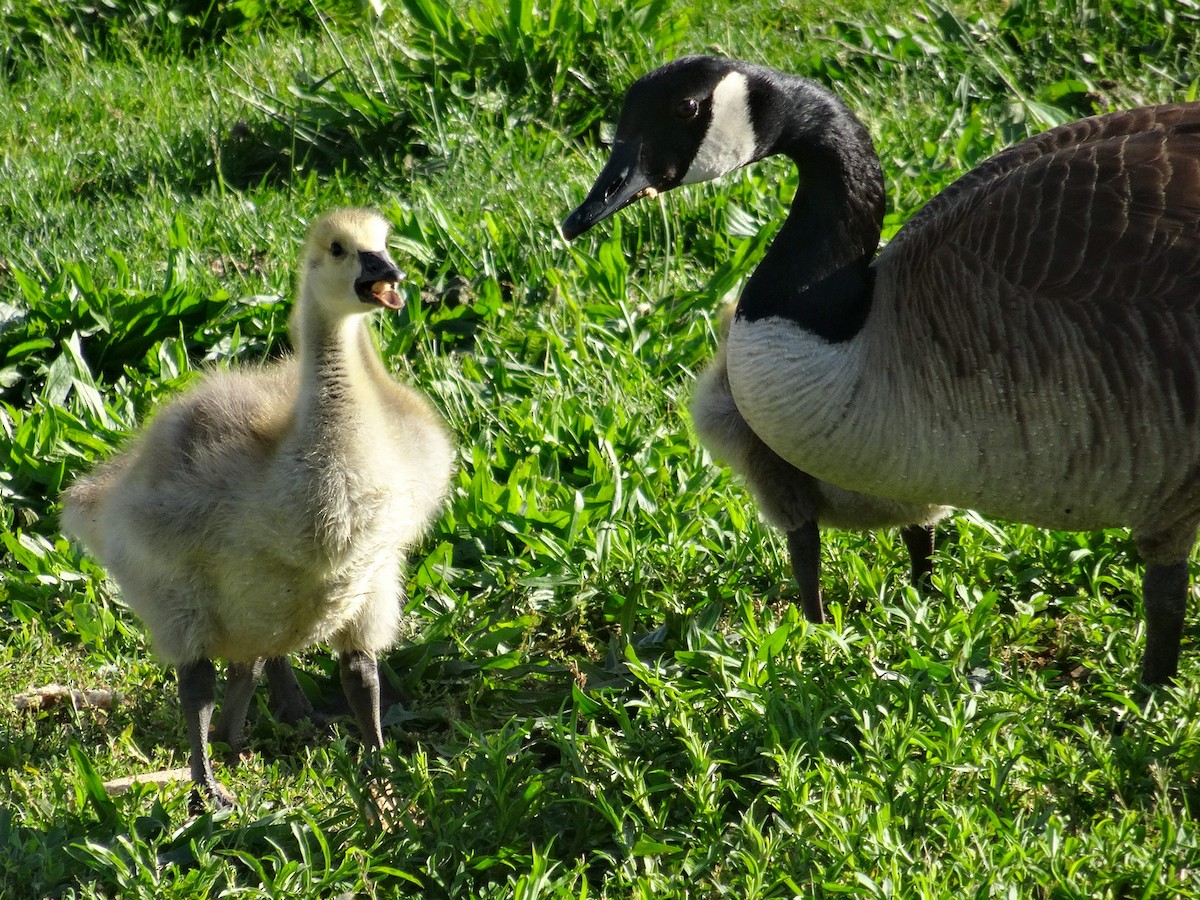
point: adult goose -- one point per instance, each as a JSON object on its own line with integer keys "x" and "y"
{"x": 1028, "y": 345}
{"x": 792, "y": 500}
{"x": 271, "y": 508}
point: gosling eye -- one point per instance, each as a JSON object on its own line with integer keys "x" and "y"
{"x": 687, "y": 109}
{"x": 337, "y": 250}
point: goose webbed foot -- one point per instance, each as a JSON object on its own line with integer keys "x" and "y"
{"x": 197, "y": 696}
{"x": 1164, "y": 595}
{"x": 918, "y": 539}
{"x": 804, "y": 548}
{"x": 360, "y": 683}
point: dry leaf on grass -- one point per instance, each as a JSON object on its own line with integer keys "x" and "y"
{"x": 161, "y": 777}
{"x": 57, "y": 694}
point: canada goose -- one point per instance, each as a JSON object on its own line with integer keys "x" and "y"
{"x": 1028, "y": 345}
{"x": 792, "y": 500}
{"x": 268, "y": 509}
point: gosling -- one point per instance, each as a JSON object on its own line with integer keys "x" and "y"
{"x": 269, "y": 509}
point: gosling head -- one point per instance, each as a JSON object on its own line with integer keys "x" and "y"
{"x": 347, "y": 269}
{"x": 690, "y": 120}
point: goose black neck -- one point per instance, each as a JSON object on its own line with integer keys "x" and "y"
{"x": 817, "y": 271}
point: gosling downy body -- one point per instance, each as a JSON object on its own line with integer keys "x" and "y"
{"x": 1028, "y": 345}
{"x": 792, "y": 500}
{"x": 268, "y": 509}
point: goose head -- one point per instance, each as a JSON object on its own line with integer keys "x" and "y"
{"x": 700, "y": 117}
{"x": 347, "y": 269}
{"x": 690, "y": 120}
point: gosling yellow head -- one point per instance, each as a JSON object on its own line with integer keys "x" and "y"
{"x": 347, "y": 268}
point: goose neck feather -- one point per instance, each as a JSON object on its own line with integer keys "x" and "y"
{"x": 816, "y": 272}
{"x": 338, "y": 369}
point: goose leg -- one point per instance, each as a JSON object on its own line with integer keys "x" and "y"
{"x": 804, "y": 548}
{"x": 919, "y": 541}
{"x": 240, "y": 681}
{"x": 360, "y": 683}
{"x": 289, "y": 703}
{"x": 1164, "y": 596}
{"x": 197, "y": 696}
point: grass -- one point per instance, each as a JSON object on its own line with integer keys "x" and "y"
{"x": 608, "y": 692}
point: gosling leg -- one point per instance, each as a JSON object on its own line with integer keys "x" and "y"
{"x": 289, "y": 703}
{"x": 240, "y": 681}
{"x": 360, "y": 684}
{"x": 1164, "y": 596}
{"x": 804, "y": 548}
{"x": 919, "y": 541}
{"x": 197, "y": 695}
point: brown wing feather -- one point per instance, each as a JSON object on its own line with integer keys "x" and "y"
{"x": 1161, "y": 125}
{"x": 1088, "y": 234}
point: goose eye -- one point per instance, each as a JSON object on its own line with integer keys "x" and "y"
{"x": 337, "y": 249}
{"x": 687, "y": 109}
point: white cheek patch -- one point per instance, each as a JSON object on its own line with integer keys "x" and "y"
{"x": 729, "y": 142}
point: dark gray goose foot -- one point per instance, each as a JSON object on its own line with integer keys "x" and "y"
{"x": 359, "y": 672}
{"x": 240, "y": 681}
{"x": 197, "y": 695}
{"x": 1164, "y": 596}
{"x": 360, "y": 683}
{"x": 804, "y": 548}
{"x": 918, "y": 539}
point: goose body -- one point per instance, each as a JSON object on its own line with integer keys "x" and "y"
{"x": 1057, "y": 319}
{"x": 1028, "y": 345}
{"x": 792, "y": 500}
{"x": 269, "y": 509}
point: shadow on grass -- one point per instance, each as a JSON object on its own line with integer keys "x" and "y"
{"x": 258, "y": 154}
